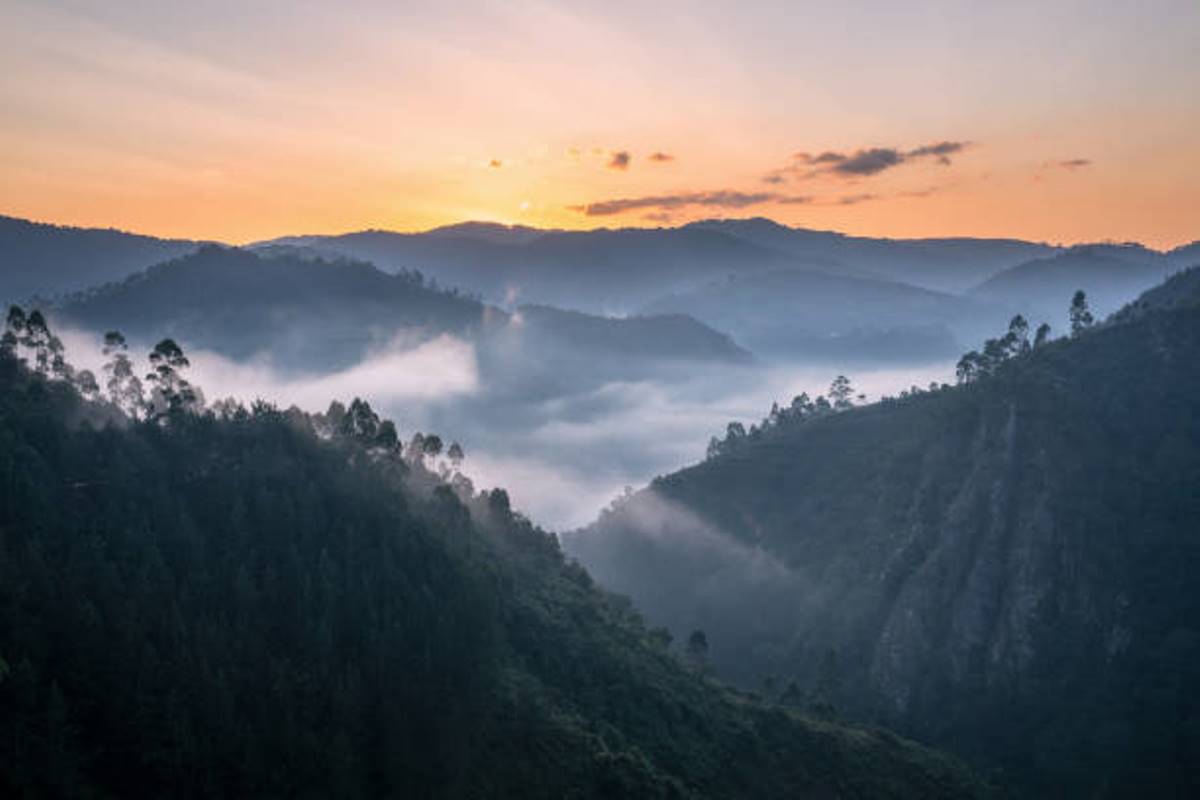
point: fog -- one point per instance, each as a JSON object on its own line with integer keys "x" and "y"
{"x": 562, "y": 457}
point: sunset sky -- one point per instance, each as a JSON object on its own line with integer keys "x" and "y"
{"x": 1056, "y": 121}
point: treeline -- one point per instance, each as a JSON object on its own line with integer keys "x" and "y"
{"x": 973, "y": 365}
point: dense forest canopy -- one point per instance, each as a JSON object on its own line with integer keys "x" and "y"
{"x": 1002, "y": 568}
{"x": 214, "y": 600}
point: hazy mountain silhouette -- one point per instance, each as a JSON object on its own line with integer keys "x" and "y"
{"x": 946, "y": 264}
{"x": 45, "y": 260}
{"x": 804, "y": 315}
{"x": 1006, "y": 567}
{"x": 1110, "y": 275}
{"x": 315, "y": 315}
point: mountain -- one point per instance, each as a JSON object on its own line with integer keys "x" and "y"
{"x": 816, "y": 316}
{"x": 1110, "y": 275}
{"x": 654, "y": 336}
{"x": 619, "y": 270}
{"x": 1187, "y": 255}
{"x": 45, "y": 260}
{"x": 258, "y": 603}
{"x": 948, "y": 265}
{"x": 599, "y": 271}
{"x": 1004, "y": 568}
{"x": 306, "y": 313}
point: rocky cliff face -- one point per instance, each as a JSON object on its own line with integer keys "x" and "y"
{"x": 1003, "y": 568}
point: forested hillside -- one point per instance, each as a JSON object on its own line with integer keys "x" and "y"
{"x": 1005, "y": 568}
{"x": 256, "y": 602}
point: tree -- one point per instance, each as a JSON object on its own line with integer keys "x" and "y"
{"x": 360, "y": 422}
{"x": 1042, "y": 336}
{"x": 456, "y": 455}
{"x": 841, "y": 393}
{"x": 124, "y": 388}
{"x": 967, "y": 369}
{"x": 432, "y": 445}
{"x": 1080, "y": 315}
{"x": 85, "y": 382}
{"x": 14, "y": 330}
{"x": 697, "y": 649}
{"x": 1018, "y": 336}
{"x": 171, "y": 393}
{"x": 38, "y": 339}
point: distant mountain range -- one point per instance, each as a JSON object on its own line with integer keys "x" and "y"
{"x": 776, "y": 289}
{"x": 1111, "y": 275}
{"x": 46, "y": 260}
{"x": 315, "y": 315}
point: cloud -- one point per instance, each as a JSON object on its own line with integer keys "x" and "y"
{"x": 658, "y": 216}
{"x": 1072, "y": 164}
{"x": 495, "y": 163}
{"x": 620, "y": 160}
{"x": 661, "y": 157}
{"x": 774, "y": 179}
{"x": 724, "y": 198}
{"x": 942, "y": 151}
{"x": 869, "y": 161}
{"x": 855, "y": 199}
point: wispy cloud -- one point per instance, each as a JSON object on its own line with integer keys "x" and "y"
{"x": 620, "y": 160}
{"x": 1072, "y": 164}
{"x": 495, "y": 163}
{"x": 724, "y": 198}
{"x": 661, "y": 157}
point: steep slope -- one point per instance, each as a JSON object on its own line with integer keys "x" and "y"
{"x": 1005, "y": 568}
{"x": 235, "y": 606}
{"x": 1111, "y": 275}
{"x": 41, "y": 259}
{"x": 812, "y": 315}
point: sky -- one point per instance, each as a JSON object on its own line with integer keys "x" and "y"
{"x": 238, "y": 121}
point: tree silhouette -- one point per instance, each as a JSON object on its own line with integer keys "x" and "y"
{"x": 841, "y": 393}
{"x": 1080, "y": 314}
{"x": 124, "y": 388}
{"x": 171, "y": 393}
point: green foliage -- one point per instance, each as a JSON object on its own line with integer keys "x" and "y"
{"x": 262, "y": 603}
{"x": 1004, "y": 568}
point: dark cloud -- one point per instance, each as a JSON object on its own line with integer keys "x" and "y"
{"x": 620, "y": 160}
{"x": 1075, "y": 163}
{"x": 873, "y": 160}
{"x": 869, "y": 162}
{"x": 724, "y": 198}
{"x": 773, "y": 179}
{"x": 661, "y": 157}
{"x": 941, "y": 151}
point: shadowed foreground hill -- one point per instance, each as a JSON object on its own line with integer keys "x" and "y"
{"x": 234, "y": 606}
{"x": 1006, "y": 568}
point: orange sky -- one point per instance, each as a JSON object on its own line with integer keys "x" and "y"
{"x": 1066, "y": 121}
